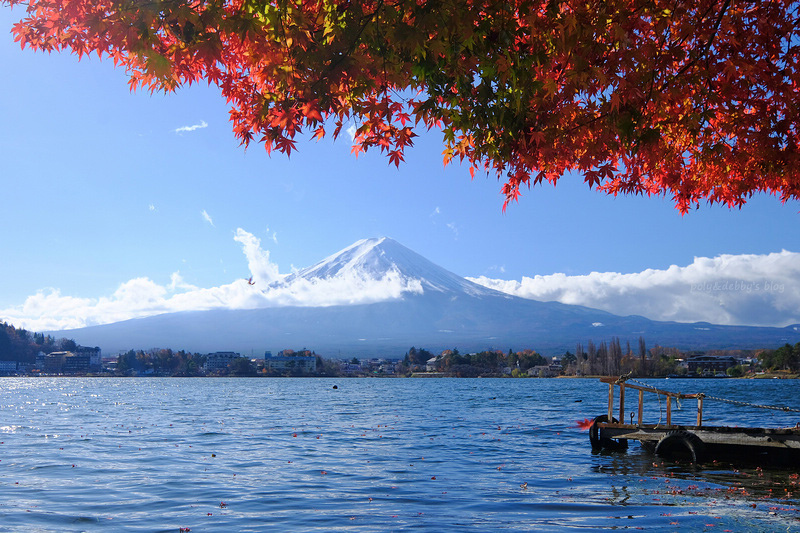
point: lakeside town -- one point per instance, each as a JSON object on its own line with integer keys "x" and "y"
{"x": 23, "y": 353}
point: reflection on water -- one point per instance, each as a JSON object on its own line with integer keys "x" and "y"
{"x": 277, "y": 454}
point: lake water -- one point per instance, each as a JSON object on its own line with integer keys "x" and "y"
{"x": 153, "y": 454}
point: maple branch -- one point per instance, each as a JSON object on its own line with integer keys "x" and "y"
{"x": 363, "y": 24}
{"x": 706, "y": 47}
{"x": 616, "y": 90}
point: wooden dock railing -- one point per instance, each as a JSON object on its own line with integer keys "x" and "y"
{"x": 642, "y": 389}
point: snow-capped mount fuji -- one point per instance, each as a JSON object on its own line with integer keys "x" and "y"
{"x": 378, "y": 258}
{"x": 427, "y": 306}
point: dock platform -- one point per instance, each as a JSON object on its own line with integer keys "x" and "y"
{"x": 690, "y": 443}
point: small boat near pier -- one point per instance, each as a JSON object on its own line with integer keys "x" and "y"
{"x": 695, "y": 443}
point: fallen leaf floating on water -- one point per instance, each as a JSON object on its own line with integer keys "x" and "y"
{"x": 584, "y": 424}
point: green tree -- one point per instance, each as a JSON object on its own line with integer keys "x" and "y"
{"x": 416, "y": 357}
{"x": 568, "y": 359}
{"x": 241, "y": 366}
{"x": 787, "y": 357}
{"x": 127, "y": 362}
{"x": 6, "y": 353}
{"x": 68, "y": 345}
{"x": 735, "y": 371}
{"x": 529, "y": 359}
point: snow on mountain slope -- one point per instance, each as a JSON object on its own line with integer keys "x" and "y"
{"x": 376, "y": 258}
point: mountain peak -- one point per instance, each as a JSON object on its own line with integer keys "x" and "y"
{"x": 376, "y": 257}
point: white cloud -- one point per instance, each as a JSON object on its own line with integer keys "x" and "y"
{"x": 434, "y": 216}
{"x": 262, "y": 270}
{"x": 152, "y": 207}
{"x": 207, "y": 217}
{"x": 177, "y": 282}
{"x": 759, "y": 290}
{"x": 185, "y": 129}
{"x": 351, "y": 131}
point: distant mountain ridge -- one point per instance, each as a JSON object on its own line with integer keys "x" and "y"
{"x": 439, "y": 310}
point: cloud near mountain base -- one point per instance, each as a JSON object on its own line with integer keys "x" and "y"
{"x": 49, "y": 310}
{"x": 756, "y": 290}
{"x": 728, "y": 289}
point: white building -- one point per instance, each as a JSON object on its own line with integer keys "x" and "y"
{"x": 219, "y": 361}
{"x": 94, "y": 355}
{"x": 282, "y": 362}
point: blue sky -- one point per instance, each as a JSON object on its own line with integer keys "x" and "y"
{"x": 102, "y": 186}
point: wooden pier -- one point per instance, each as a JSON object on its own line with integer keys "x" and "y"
{"x": 693, "y": 443}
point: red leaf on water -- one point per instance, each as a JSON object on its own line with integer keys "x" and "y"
{"x": 584, "y": 424}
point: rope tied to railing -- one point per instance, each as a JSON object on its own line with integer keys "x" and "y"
{"x": 757, "y": 405}
{"x": 623, "y": 379}
{"x": 641, "y": 383}
{"x": 703, "y": 395}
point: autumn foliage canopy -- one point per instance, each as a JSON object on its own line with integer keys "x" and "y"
{"x": 695, "y": 99}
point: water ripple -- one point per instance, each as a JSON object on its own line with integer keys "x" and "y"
{"x": 371, "y": 455}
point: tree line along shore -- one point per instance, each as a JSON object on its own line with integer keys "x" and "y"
{"x": 29, "y": 353}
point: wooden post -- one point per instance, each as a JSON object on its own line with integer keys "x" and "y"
{"x": 669, "y": 410}
{"x": 610, "y": 402}
{"x": 699, "y": 410}
{"x": 641, "y": 405}
{"x": 622, "y": 403}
